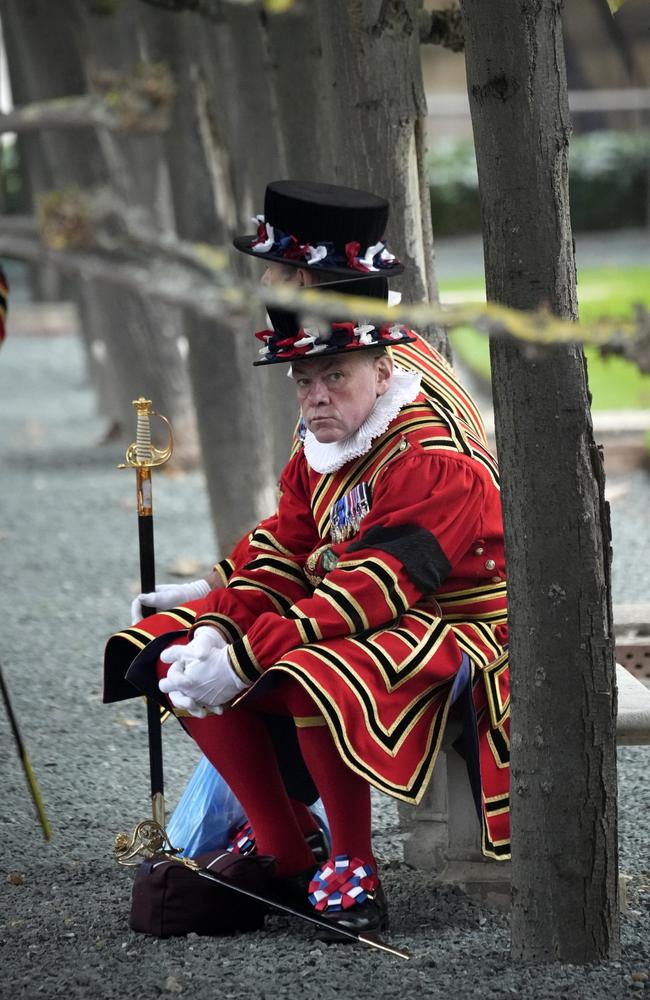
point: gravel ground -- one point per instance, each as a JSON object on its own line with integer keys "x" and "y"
{"x": 68, "y": 567}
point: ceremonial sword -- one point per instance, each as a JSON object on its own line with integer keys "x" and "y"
{"x": 148, "y": 841}
{"x": 143, "y": 456}
{"x": 25, "y": 761}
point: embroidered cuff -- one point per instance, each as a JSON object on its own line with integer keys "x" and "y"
{"x": 227, "y": 625}
{"x": 243, "y": 661}
{"x": 224, "y": 569}
{"x": 184, "y": 616}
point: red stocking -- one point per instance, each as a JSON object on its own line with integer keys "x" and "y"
{"x": 345, "y": 794}
{"x": 238, "y": 744}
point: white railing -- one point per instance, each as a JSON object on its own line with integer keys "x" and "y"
{"x": 453, "y": 105}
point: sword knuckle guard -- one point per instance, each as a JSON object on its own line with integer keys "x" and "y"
{"x": 143, "y": 454}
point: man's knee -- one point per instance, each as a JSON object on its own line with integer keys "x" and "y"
{"x": 287, "y": 697}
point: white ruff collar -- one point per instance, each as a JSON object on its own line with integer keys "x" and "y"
{"x": 325, "y": 458}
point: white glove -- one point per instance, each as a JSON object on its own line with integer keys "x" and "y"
{"x": 169, "y": 595}
{"x": 206, "y": 638}
{"x": 179, "y": 700}
{"x": 210, "y": 682}
{"x": 175, "y": 674}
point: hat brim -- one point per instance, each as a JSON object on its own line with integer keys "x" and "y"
{"x": 245, "y": 245}
{"x": 330, "y": 353}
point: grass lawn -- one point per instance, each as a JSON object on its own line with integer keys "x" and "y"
{"x": 615, "y": 384}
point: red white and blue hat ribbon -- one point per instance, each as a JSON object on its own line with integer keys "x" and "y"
{"x": 332, "y": 339}
{"x": 341, "y": 883}
{"x": 271, "y": 240}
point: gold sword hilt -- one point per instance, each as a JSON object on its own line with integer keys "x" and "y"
{"x": 148, "y": 839}
{"x": 142, "y": 454}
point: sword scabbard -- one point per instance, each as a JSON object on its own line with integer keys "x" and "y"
{"x": 142, "y": 456}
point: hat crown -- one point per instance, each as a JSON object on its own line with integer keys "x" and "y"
{"x": 314, "y": 212}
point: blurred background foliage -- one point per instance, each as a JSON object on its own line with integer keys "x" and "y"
{"x": 609, "y": 182}
{"x": 608, "y": 179}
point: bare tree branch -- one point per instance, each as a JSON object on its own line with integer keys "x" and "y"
{"x": 73, "y": 219}
{"x": 63, "y": 112}
{"x": 196, "y": 276}
{"x": 211, "y": 10}
{"x": 173, "y": 283}
{"x": 139, "y": 101}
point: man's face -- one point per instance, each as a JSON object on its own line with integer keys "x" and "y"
{"x": 337, "y": 394}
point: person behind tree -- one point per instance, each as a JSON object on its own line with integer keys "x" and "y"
{"x": 365, "y": 611}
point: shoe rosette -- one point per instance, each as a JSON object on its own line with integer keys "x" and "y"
{"x": 342, "y": 883}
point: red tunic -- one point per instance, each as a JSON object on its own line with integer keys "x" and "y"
{"x": 374, "y": 627}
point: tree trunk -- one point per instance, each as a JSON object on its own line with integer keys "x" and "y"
{"x": 229, "y": 394}
{"x": 48, "y": 49}
{"x": 43, "y": 63}
{"x": 146, "y": 346}
{"x": 565, "y": 898}
{"x": 240, "y": 80}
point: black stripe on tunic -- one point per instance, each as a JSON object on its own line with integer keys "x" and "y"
{"x": 417, "y": 549}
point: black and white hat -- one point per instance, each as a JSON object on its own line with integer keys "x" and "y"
{"x": 324, "y": 227}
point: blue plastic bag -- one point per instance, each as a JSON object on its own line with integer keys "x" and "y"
{"x": 208, "y": 810}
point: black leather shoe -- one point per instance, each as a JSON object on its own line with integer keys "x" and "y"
{"x": 369, "y": 918}
{"x": 293, "y": 889}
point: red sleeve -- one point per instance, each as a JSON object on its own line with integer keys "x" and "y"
{"x": 271, "y": 578}
{"x": 426, "y": 512}
{"x": 239, "y": 555}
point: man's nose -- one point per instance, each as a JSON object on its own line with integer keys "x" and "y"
{"x": 318, "y": 391}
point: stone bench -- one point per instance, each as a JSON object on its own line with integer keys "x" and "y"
{"x": 444, "y": 835}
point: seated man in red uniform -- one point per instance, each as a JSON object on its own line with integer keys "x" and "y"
{"x": 370, "y": 604}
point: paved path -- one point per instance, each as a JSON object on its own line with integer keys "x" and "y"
{"x": 462, "y": 256}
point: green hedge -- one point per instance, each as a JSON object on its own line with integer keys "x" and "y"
{"x": 608, "y": 182}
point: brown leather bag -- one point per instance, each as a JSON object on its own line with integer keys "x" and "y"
{"x": 170, "y": 899}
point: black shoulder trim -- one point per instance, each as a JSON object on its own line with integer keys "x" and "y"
{"x": 417, "y": 549}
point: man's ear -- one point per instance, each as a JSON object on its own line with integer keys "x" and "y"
{"x": 384, "y": 373}
{"x": 306, "y": 278}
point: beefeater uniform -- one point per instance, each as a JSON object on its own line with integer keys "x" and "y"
{"x": 379, "y": 588}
